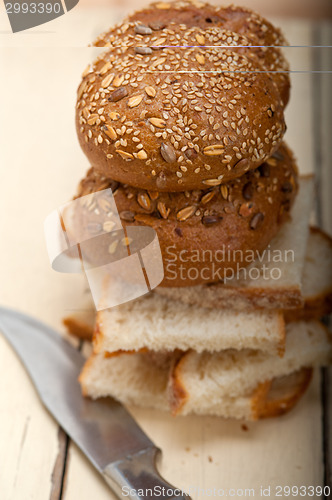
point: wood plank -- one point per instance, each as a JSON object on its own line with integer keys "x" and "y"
{"x": 323, "y": 154}
{"x": 59, "y": 470}
{"x": 28, "y": 435}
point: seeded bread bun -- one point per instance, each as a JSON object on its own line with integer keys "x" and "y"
{"x": 193, "y": 227}
{"x": 260, "y": 37}
{"x": 177, "y": 119}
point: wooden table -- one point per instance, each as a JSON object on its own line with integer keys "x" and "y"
{"x": 41, "y": 164}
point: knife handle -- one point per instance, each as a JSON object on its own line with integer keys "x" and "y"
{"x": 137, "y": 478}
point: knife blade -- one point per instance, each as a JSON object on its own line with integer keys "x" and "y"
{"x": 104, "y": 430}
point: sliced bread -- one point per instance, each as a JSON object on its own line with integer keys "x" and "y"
{"x": 132, "y": 378}
{"x": 159, "y": 324}
{"x": 199, "y": 380}
{"x": 230, "y": 384}
{"x": 135, "y": 379}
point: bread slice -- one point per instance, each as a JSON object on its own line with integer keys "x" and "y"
{"x": 159, "y": 324}
{"x": 283, "y": 293}
{"x": 317, "y": 278}
{"x": 136, "y": 379}
{"x": 198, "y": 381}
{"x": 229, "y": 384}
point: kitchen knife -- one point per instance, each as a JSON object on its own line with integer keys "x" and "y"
{"x": 103, "y": 429}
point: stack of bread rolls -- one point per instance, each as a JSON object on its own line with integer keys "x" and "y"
{"x": 182, "y": 116}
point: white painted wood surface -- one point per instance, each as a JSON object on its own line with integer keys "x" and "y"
{"x": 41, "y": 164}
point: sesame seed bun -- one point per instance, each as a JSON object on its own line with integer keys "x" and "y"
{"x": 176, "y": 119}
{"x": 260, "y": 35}
{"x": 242, "y": 215}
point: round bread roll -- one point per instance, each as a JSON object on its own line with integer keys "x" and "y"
{"x": 260, "y": 37}
{"x": 204, "y": 235}
{"x": 176, "y": 119}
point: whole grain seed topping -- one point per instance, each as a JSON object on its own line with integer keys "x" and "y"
{"x": 191, "y": 154}
{"x": 208, "y": 197}
{"x": 105, "y": 68}
{"x": 107, "y": 80}
{"x": 135, "y": 101}
{"x": 81, "y": 89}
{"x": 212, "y": 182}
{"x": 242, "y": 164}
{"x": 151, "y": 92}
{"x": 145, "y": 51}
{"x": 159, "y": 61}
{"x": 159, "y": 43}
{"x": 85, "y": 113}
{"x": 229, "y": 134}
{"x": 167, "y": 152}
{"x": 93, "y": 119}
{"x": 109, "y": 131}
{"x": 144, "y": 201}
{"x": 214, "y": 150}
{"x": 141, "y": 155}
{"x": 118, "y": 94}
{"x": 256, "y": 220}
{"x": 118, "y": 80}
{"x": 164, "y": 212}
{"x": 157, "y": 25}
{"x": 185, "y": 213}
{"x": 141, "y": 29}
{"x": 208, "y": 220}
{"x": 200, "y": 58}
{"x": 224, "y": 191}
{"x": 127, "y": 216}
{"x": 158, "y": 122}
{"x": 200, "y": 39}
{"x": 246, "y": 209}
{"x": 124, "y": 154}
{"x": 113, "y": 115}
